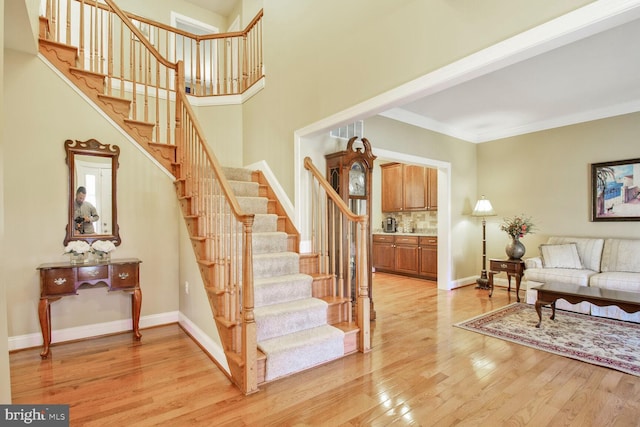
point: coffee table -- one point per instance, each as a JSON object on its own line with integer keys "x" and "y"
{"x": 549, "y": 293}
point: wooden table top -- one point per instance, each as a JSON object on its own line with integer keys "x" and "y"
{"x": 589, "y": 292}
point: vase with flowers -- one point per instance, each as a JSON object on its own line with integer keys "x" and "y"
{"x": 516, "y": 227}
{"x": 102, "y": 250}
{"x": 78, "y": 250}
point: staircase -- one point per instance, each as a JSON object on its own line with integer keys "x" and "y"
{"x": 292, "y": 313}
{"x": 275, "y": 311}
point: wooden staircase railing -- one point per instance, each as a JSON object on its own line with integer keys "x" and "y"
{"x": 215, "y": 64}
{"x": 331, "y": 222}
{"x": 123, "y": 72}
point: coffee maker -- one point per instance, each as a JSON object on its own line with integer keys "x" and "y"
{"x": 390, "y": 225}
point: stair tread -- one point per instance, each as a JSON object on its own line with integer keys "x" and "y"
{"x": 298, "y": 338}
{"x": 331, "y": 300}
{"x": 289, "y": 307}
{"x": 347, "y": 327}
{"x": 82, "y": 70}
{"x": 277, "y": 279}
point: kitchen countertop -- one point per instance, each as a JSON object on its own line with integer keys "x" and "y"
{"x": 398, "y": 233}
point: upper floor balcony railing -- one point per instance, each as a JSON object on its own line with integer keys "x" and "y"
{"x": 214, "y": 64}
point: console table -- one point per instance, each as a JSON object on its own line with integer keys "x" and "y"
{"x": 61, "y": 279}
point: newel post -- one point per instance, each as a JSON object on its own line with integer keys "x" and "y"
{"x": 364, "y": 307}
{"x": 249, "y": 329}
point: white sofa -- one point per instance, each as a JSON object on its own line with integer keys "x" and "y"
{"x": 603, "y": 263}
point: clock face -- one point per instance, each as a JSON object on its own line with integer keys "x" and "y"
{"x": 357, "y": 181}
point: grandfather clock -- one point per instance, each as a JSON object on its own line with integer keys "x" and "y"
{"x": 349, "y": 173}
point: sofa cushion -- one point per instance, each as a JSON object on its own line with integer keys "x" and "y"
{"x": 563, "y": 275}
{"x": 621, "y": 255}
{"x": 617, "y": 280}
{"x": 589, "y": 250}
{"x": 560, "y": 256}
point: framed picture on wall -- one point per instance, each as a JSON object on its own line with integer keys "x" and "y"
{"x": 615, "y": 191}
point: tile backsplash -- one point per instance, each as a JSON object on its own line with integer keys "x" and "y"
{"x": 416, "y": 222}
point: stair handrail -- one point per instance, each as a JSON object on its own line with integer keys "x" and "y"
{"x": 143, "y": 39}
{"x": 331, "y": 259}
{"x": 184, "y": 111}
{"x": 240, "y": 312}
{"x": 224, "y": 183}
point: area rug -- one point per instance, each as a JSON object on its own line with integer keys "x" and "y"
{"x": 605, "y": 342}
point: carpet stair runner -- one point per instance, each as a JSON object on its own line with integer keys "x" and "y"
{"x": 292, "y": 328}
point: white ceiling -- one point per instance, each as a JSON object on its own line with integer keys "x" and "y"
{"x": 591, "y": 78}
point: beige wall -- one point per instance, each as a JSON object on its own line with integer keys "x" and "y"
{"x": 547, "y": 175}
{"x": 42, "y": 113}
{"x": 323, "y": 57}
{"x": 160, "y": 10}
{"x": 222, "y": 126}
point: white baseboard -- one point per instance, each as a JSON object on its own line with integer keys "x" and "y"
{"x": 459, "y": 283}
{"x": 88, "y": 331}
{"x": 213, "y": 348}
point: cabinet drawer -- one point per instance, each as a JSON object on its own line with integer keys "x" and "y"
{"x": 383, "y": 238}
{"x": 92, "y": 273}
{"x": 406, "y": 240}
{"x": 428, "y": 241}
{"x": 57, "y": 281}
{"x": 124, "y": 276}
{"x": 508, "y": 267}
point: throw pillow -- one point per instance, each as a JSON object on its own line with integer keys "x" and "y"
{"x": 560, "y": 256}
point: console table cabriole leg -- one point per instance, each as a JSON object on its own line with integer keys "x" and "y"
{"x": 44, "y": 314}
{"x": 518, "y": 287}
{"x": 136, "y": 303}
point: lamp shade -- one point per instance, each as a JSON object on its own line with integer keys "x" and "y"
{"x": 483, "y": 208}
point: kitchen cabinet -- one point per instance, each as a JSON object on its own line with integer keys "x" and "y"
{"x": 391, "y": 184}
{"x": 432, "y": 189}
{"x": 408, "y": 255}
{"x": 384, "y": 257}
{"x": 428, "y": 257}
{"x": 408, "y": 188}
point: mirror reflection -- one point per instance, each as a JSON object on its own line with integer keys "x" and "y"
{"x": 92, "y": 207}
{"x": 92, "y": 191}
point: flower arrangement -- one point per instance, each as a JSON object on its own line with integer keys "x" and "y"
{"x": 517, "y": 226}
{"x": 77, "y": 247}
{"x": 103, "y": 246}
{"x": 102, "y": 249}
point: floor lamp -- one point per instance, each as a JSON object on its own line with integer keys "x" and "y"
{"x": 483, "y": 209}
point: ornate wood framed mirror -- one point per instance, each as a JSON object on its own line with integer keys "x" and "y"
{"x": 93, "y": 209}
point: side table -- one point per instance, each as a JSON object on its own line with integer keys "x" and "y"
{"x": 513, "y": 268}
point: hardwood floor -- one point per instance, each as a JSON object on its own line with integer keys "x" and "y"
{"x": 422, "y": 371}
